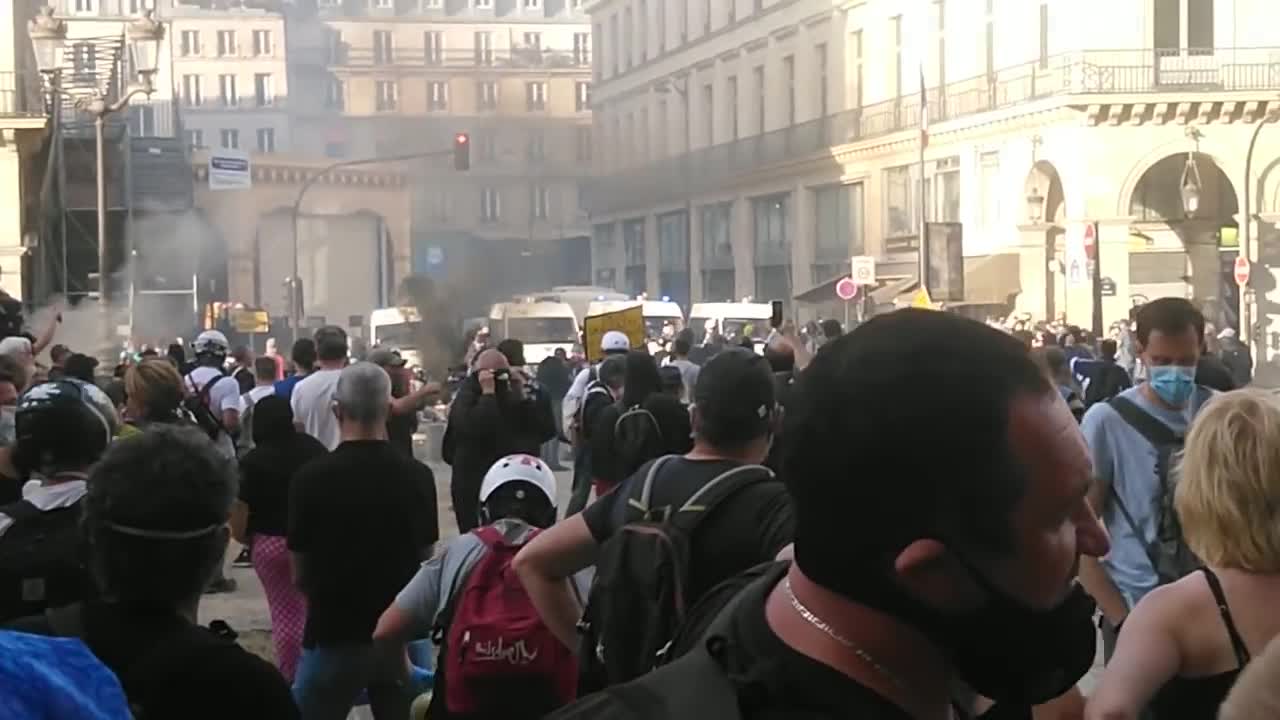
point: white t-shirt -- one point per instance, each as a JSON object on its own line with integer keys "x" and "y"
{"x": 252, "y": 397}
{"x": 224, "y": 395}
{"x": 312, "y": 403}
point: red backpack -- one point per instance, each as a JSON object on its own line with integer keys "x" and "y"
{"x": 500, "y": 657}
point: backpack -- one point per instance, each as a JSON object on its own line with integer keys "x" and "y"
{"x": 198, "y": 406}
{"x": 576, "y": 422}
{"x": 1168, "y": 554}
{"x": 42, "y": 563}
{"x": 499, "y": 657}
{"x": 637, "y": 437}
{"x": 637, "y": 601}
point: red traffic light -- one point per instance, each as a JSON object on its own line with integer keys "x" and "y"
{"x": 461, "y": 152}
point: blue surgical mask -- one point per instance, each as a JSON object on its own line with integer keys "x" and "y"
{"x": 1173, "y": 383}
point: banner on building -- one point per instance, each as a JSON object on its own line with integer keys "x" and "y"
{"x": 229, "y": 170}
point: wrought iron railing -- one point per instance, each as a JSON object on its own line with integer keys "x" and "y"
{"x": 1091, "y": 72}
{"x": 415, "y": 58}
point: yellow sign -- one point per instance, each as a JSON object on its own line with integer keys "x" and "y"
{"x": 629, "y": 322}
{"x": 923, "y": 301}
{"x": 249, "y": 321}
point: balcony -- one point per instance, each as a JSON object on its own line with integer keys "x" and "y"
{"x": 20, "y": 95}
{"x": 519, "y": 58}
{"x": 1080, "y": 74}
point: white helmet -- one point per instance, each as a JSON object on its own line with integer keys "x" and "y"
{"x": 211, "y": 342}
{"x": 519, "y": 467}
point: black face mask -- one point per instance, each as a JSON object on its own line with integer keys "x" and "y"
{"x": 1004, "y": 650}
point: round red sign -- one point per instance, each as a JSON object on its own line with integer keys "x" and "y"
{"x": 1242, "y": 271}
{"x": 846, "y": 289}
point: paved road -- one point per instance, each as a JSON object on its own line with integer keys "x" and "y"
{"x": 246, "y": 609}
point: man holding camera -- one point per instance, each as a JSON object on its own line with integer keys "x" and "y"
{"x": 493, "y": 415}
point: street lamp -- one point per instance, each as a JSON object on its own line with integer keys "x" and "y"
{"x": 48, "y": 36}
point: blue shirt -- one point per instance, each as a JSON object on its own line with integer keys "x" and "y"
{"x": 45, "y": 678}
{"x": 1124, "y": 459}
{"x": 284, "y": 388}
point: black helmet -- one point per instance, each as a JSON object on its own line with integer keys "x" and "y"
{"x": 61, "y": 423}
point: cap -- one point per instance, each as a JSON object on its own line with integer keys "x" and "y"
{"x": 513, "y": 468}
{"x": 615, "y": 341}
{"x": 15, "y": 345}
{"x": 1228, "y": 333}
{"x": 735, "y": 385}
{"x": 513, "y": 350}
{"x": 384, "y": 357}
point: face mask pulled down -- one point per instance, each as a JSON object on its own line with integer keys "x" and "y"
{"x": 1173, "y": 384}
{"x": 1004, "y": 650}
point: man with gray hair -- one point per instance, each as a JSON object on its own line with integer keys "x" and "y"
{"x": 361, "y": 520}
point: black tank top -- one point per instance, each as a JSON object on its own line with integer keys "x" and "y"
{"x": 1198, "y": 698}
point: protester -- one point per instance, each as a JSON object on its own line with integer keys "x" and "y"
{"x": 903, "y": 590}
{"x": 153, "y": 395}
{"x": 216, "y": 395}
{"x": 1212, "y": 373}
{"x": 272, "y": 352}
{"x": 264, "y": 373}
{"x": 1056, "y": 366}
{"x": 672, "y": 383}
{"x": 62, "y": 429}
{"x": 242, "y": 369}
{"x": 575, "y": 424}
{"x": 260, "y": 519}
{"x": 745, "y": 522}
{"x": 1131, "y": 492}
{"x": 831, "y": 331}
{"x": 1184, "y": 644}
{"x": 58, "y": 355}
{"x": 406, "y": 401}
{"x": 177, "y": 355}
{"x": 680, "y": 350}
{"x": 1236, "y": 357}
{"x": 602, "y": 393}
{"x": 155, "y": 517}
{"x": 312, "y": 397}
{"x": 1106, "y": 379}
{"x": 517, "y": 499}
{"x": 304, "y": 362}
{"x": 780, "y": 353}
{"x": 553, "y": 377}
{"x": 355, "y": 545}
{"x": 643, "y": 425}
{"x": 492, "y": 416}
{"x": 20, "y": 349}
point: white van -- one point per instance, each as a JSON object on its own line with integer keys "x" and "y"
{"x": 543, "y": 327}
{"x": 396, "y": 327}
{"x": 732, "y": 320}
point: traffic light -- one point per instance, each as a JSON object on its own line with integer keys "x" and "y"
{"x": 461, "y": 152}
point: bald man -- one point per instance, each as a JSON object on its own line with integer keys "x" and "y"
{"x": 492, "y": 416}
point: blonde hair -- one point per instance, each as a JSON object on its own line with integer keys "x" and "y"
{"x": 1228, "y": 488}
{"x": 155, "y": 386}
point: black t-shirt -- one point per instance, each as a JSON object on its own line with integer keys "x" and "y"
{"x": 749, "y": 528}
{"x": 400, "y": 429}
{"x": 362, "y": 517}
{"x": 774, "y": 681}
{"x": 266, "y": 473}
{"x": 607, "y": 463}
{"x": 171, "y": 668}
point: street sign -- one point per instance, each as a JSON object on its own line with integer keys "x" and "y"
{"x": 1242, "y": 270}
{"x": 846, "y": 289}
{"x": 922, "y": 300}
{"x": 863, "y": 270}
{"x": 229, "y": 170}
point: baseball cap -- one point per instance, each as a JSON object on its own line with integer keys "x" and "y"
{"x": 386, "y": 357}
{"x": 513, "y": 468}
{"x": 615, "y": 341}
{"x": 734, "y": 386}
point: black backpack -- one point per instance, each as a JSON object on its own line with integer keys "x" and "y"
{"x": 198, "y": 406}
{"x": 1169, "y": 555}
{"x": 42, "y": 560}
{"x": 637, "y": 601}
{"x": 637, "y": 437}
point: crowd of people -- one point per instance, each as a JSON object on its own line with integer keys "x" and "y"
{"x": 926, "y": 518}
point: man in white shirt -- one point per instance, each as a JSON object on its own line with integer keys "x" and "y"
{"x": 312, "y": 399}
{"x": 223, "y": 392}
